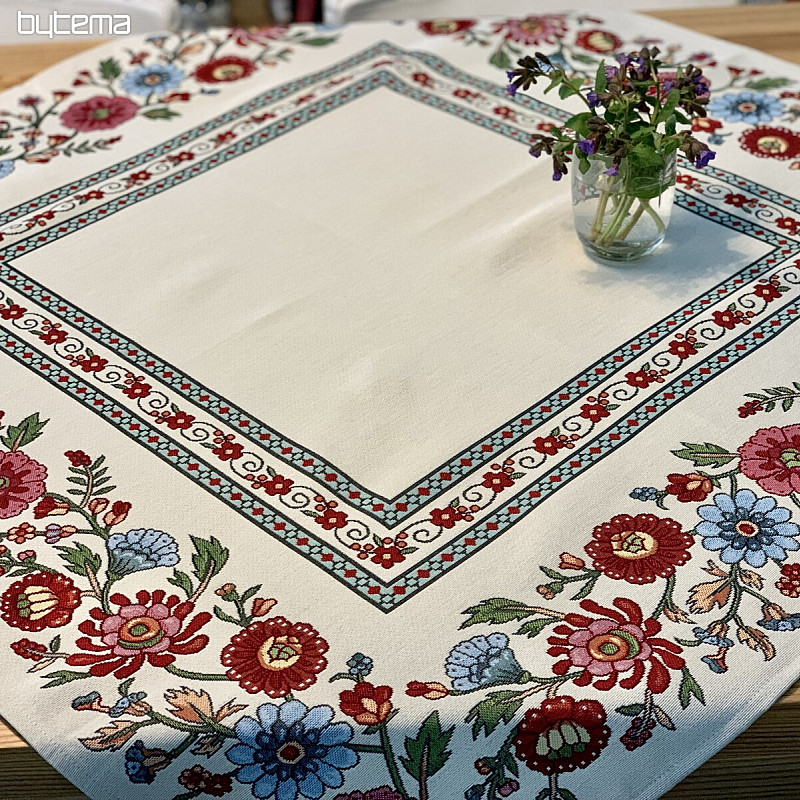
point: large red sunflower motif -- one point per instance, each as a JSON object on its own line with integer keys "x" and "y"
{"x": 768, "y": 141}
{"x": 39, "y": 600}
{"x": 275, "y": 656}
{"x": 598, "y": 41}
{"x": 547, "y": 28}
{"x": 562, "y": 735}
{"x": 224, "y": 70}
{"x": 639, "y": 549}
{"x": 151, "y": 629}
{"x": 615, "y": 643}
{"x": 21, "y": 482}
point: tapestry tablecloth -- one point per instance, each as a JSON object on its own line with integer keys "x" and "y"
{"x": 331, "y": 466}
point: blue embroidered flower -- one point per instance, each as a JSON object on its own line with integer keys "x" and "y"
{"x": 140, "y": 549}
{"x": 124, "y": 703}
{"x": 709, "y": 638}
{"x": 155, "y": 79}
{"x": 292, "y": 751}
{"x": 644, "y": 493}
{"x": 359, "y": 665}
{"x": 749, "y": 107}
{"x": 716, "y": 663}
{"x": 6, "y": 168}
{"x": 777, "y": 619}
{"x": 482, "y": 661}
{"x": 749, "y": 528}
{"x": 142, "y": 763}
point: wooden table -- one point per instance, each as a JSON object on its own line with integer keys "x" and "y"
{"x": 764, "y": 762}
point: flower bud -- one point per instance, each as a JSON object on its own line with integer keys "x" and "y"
{"x": 262, "y": 606}
{"x": 118, "y": 514}
{"x": 569, "y": 561}
{"x": 430, "y": 690}
{"x": 508, "y": 788}
{"x": 98, "y": 505}
{"x": 50, "y": 507}
{"x": 482, "y": 766}
{"x": 227, "y": 591}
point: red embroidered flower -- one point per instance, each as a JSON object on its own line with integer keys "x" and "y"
{"x": 726, "y": 319}
{"x": 689, "y": 488}
{"x": 767, "y": 291}
{"x": 598, "y": 41}
{"x": 705, "y": 125}
{"x": 25, "y": 648}
{"x": 788, "y": 224}
{"x": 50, "y": 507}
{"x": 771, "y": 457}
{"x": 21, "y": 482}
{"x": 137, "y": 389}
{"x": 430, "y": 690}
{"x": 438, "y": 27}
{"x": 12, "y": 312}
{"x": 613, "y": 644}
{"x": 548, "y": 445}
{"x": 750, "y": 408}
{"x": 78, "y": 458}
{"x": 682, "y": 348}
{"x": 446, "y": 517}
{"x": 179, "y": 421}
{"x": 367, "y": 704}
{"x": 99, "y": 113}
{"x": 736, "y": 200}
{"x": 152, "y": 629}
{"x": 767, "y": 141}
{"x": 535, "y": 30}
{"x": 330, "y": 519}
{"x": 278, "y": 485}
{"x": 53, "y": 336}
{"x": 387, "y": 557}
{"x": 594, "y": 411}
{"x": 639, "y": 549}
{"x": 562, "y": 735}
{"x": 275, "y": 656}
{"x": 789, "y": 583}
{"x": 497, "y": 481}
{"x": 39, "y": 600}
{"x": 640, "y": 379}
{"x": 93, "y": 364}
{"x": 224, "y": 70}
{"x": 228, "y": 451}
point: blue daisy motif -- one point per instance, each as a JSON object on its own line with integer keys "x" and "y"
{"x": 747, "y": 527}
{"x": 155, "y": 79}
{"x": 749, "y": 107}
{"x": 292, "y": 751}
{"x": 140, "y": 549}
{"x": 6, "y": 168}
{"x": 482, "y": 661}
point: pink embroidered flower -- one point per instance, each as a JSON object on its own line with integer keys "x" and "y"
{"x": 21, "y": 482}
{"x": 617, "y": 642}
{"x": 99, "y": 113}
{"x": 536, "y": 30}
{"x": 771, "y": 457}
{"x": 151, "y": 628}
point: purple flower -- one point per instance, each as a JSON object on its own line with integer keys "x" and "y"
{"x": 704, "y": 157}
{"x": 611, "y": 72}
{"x": 556, "y": 176}
{"x": 668, "y": 86}
{"x": 612, "y": 170}
{"x": 512, "y": 89}
{"x": 535, "y": 153}
{"x": 591, "y": 98}
{"x": 700, "y": 86}
{"x": 510, "y": 74}
{"x": 586, "y": 146}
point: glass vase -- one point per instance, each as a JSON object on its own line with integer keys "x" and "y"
{"x": 623, "y": 216}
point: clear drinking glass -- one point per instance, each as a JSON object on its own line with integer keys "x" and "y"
{"x": 625, "y": 216}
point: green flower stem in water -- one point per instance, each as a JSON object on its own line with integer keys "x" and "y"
{"x": 622, "y": 221}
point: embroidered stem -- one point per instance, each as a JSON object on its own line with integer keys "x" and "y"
{"x": 553, "y": 787}
{"x": 206, "y": 580}
{"x": 92, "y": 578}
{"x": 666, "y": 598}
{"x": 388, "y": 754}
{"x": 795, "y": 498}
{"x": 195, "y": 676}
{"x": 183, "y": 746}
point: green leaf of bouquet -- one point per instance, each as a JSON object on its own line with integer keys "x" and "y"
{"x": 109, "y": 69}
{"x": 500, "y": 59}
{"x": 80, "y": 559}
{"x": 600, "y": 79}
{"x": 689, "y": 688}
{"x": 427, "y": 752}
{"x": 763, "y": 84}
{"x": 578, "y": 123}
{"x": 497, "y": 611}
{"x": 17, "y": 436}
{"x": 490, "y": 712}
{"x": 704, "y": 455}
{"x": 645, "y": 165}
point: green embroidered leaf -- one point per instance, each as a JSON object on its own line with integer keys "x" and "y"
{"x": 182, "y": 581}
{"x": 551, "y": 573}
{"x": 220, "y": 614}
{"x": 55, "y": 643}
{"x": 535, "y": 626}
{"x": 62, "y": 676}
{"x": 500, "y": 59}
{"x": 787, "y": 403}
{"x": 210, "y": 557}
{"x": 763, "y": 84}
{"x": 125, "y": 686}
{"x": 427, "y": 752}
{"x": 160, "y": 113}
{"x": 318, "y": 41}
{"x": 705, "y": 455}
{"x": 80, "y": 558}
{"x": 251, "y": 592}
{"x": 689, "y": 688}
{"x": 497, "y": 611}
{"x": 688, "y": 642}
{"x": 630, "y": 711}
{"x": 490, "y": 712}
{"x": 17, "y": 436}
{"x": 109, "y": 69}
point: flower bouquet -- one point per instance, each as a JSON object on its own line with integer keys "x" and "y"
{"x": 626, "y": 144}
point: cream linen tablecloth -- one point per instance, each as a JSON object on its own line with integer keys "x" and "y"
{"x": 333, "y": 467}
